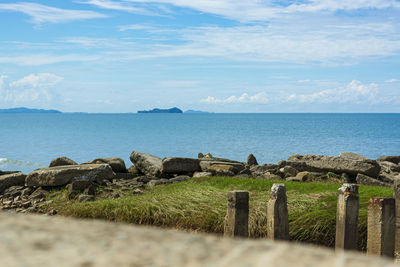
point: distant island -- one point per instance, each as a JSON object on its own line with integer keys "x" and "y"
{"x": 28, "y": 110}
{"x": 191, "y": 111}
{"x": 158, "y": 110}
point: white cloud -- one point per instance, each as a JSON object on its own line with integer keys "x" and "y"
{"x": 354, "y": 92}
{"x": 255, "y": 10}
{"x": 260, "y": 98}
{"x": 135, "y": 27}
{"x": 392, "y": 81}
{"x": 33, "y": 89}
{"x": 41, "y": 13}
{"x": 119, "y": 6}
{"x": 45, "y": 59}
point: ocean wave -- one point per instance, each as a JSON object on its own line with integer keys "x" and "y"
{"x": 4, "y": 162}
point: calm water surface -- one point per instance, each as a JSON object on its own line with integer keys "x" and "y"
{"x": 30, "y": 141}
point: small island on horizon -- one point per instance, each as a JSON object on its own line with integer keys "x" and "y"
{"x": 29, "y": 110}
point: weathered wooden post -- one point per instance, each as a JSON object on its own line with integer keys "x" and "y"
{"x": 381, "y": 226}
{"x": 237, "y": 217}
{"x": 397, "y": 212}
{"x": 277, "y": 213}
{"x": 347, "y": 217}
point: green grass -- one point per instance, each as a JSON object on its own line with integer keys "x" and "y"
{"x": 200, "y": 205}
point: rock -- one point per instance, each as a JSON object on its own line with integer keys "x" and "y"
{"x": 148, "y": 164}
{"x": 366, "y": 180}
{"x": 78, "y": 185}
{"x": 288, "y": 171}
{"x": 208, "y": 155}
{"x": 13, "y": 191}
{"x": 303, "y": 176}
{"x": 335, "y": 164}
{"x": 389, "y": 167}
{"x": 200, "y": 155}
{"x": 137, "y": 192}
{"x": 393, "y": 159}
{"x": 245, "y": 171}
{"x": 62, "y": 161}
{"x": 85, "y": 198}
{"x": 180, "y": 178}
{"x": 237, "y": 166}
{"x": 12, "y": 179}
{"x": 39, "y": 194}
{"x": 52, "y": 212}
{"x": 125, "y": 176}
{"x": 117, "y": 164}
{"x": 90, "y": 190}
{"x": 202, "y": 174}
{"x": 352, "y": 156}
{"x": 260, "y": 169}
{"x": 145, "y": 179}
{"x": 251, "y": 160}
{"x": 222, "y": 170}
{"x": 180, "y": 165}
{"x": 388, "y": 177}
{"x": 269, "y": 176}
{"x": 158, "y": 182}
{"x": 294, "y": 179}
{"x": 242, "y": 176}
{"x": 62, "y": 175}
{"x": 26, "y": 192}
{"x": 133, "y": 170}
{"x": 8, "y": 172}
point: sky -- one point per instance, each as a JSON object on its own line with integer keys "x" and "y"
{"x": 116, "y": 56}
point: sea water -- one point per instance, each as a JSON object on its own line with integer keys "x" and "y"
{"x": 31, "y": 141}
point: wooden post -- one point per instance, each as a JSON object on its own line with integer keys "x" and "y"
{"x": 347, "y": 217}
{"x": 277, "y": 213}
{"x": 237, "y": 217}
{"x": 381, "y": 226}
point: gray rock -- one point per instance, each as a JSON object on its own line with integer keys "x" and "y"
{"x": 125, "y": 176}
{"x": 202, "y": 174}
{"x": 388, "y": 177}
{"x": 158, "y": 182}
{"x": 242, "y": 176}
{"x": 61, "y": 175}
{"x": 148, "y": 164}
{"x": 180, "y": 178}
{"x": 62, "y": 161}
{"x": 237, "y": 166}
{"x": 12, "y": 179}
{"x": 269, "y": 176}
{"x": 334, "y": 164}
{"x": 85, "y": 198}
{"x": 39, "y": 194}
{"x": 200, "y": 155}
{"x": 8, "y": 172}
{"x": 133, "y": 170}
{"x": 180, "y": 165}
{"x": 263, "y": 168}
{"x": 78, "y": 185}
{"x": 294, "y": 179}
{"x": 145, "y": 179}
{"x": 366, "y": 180}
{"x": 303, "y": 176}
{"x": 117, "y": 164}
{"x": 288, "y": 171}
{"x": 251, "y": 160}
{"x": 393, "y": 159}
{"x": 389, "y": 167}
{"x": 352, "y": 156}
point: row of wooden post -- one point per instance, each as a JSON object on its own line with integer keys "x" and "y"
{"x": 383, "y": 220}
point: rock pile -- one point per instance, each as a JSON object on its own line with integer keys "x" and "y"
{"x": 27, "y": 193}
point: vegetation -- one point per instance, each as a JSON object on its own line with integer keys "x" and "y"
{"x": 200, "y": 205}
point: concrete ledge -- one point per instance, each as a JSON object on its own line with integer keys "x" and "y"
{"x": 35, "y": 240}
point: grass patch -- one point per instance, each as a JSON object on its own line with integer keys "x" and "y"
{"x": 200, "y": 205}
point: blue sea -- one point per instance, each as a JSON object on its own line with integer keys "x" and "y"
{"x": 31, "y": 141}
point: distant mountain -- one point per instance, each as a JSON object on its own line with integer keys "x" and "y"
{"x": 157, "y": 110}
{"x": 28, "y": 110}
{"x": 191, "y": 111}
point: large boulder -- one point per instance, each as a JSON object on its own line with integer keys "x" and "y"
{"x": 352, "y": 156}
{"x": 251, "y": 160}
{"x": 393, "y": 159}
{"x": 62, "y": 161}
{"x": 259, "y": 170}
{"x": 12, "y": 179}
{"x": 366, "y": 180}
{"x": 62, "y": 175}
{"x": 117, "y": 164}
{"x": 180, "y": 165}
{"x": 147, "y": 164}
{"x": 206, "y": 163}
{"x": 335, "y": 164}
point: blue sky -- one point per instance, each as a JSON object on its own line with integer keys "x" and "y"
{"x": 215, "y": 55}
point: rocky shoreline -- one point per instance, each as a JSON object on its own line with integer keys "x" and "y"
{"x": 29, "y": 192}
